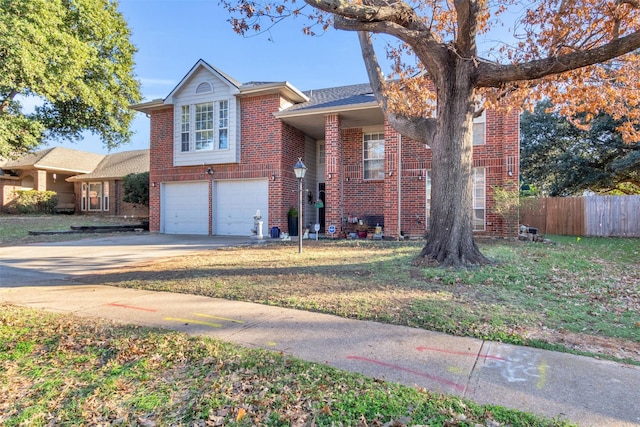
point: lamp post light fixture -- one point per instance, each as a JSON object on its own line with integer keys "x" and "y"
{"x": 300, "y": 169}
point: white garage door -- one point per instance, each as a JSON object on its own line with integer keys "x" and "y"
{"x": 185, "y": 208}
{"x": 235, "y": 203}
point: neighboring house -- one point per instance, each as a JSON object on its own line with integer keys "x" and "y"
{"x": 75, "y": 175}
{"x": 45, "y": 170}
{"x": 100, "y": 191}
{"x": 221, "y": 150}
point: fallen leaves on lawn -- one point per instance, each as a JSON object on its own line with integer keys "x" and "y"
{"x": 66, "y": 370}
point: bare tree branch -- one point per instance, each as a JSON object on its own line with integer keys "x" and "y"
{"x": 378, "y": 27}
{"x": 491, "y": 74}
{"x": 633, "y": 3}
{"x": 410, "y": 127}
{"x": 467, "y": 14}
{"x": 399, "y": 13}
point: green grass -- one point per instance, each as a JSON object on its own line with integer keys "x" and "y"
{"x": 94, "y": 372}
{"x": 581, "y": 294}
{"x": 14, "y": 229}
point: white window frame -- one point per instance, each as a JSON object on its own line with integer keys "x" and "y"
{"x": 427, "y": 185}
{"x": 479, "y": 199}
{"x": 479, "y": 129}
{"x": 105, "y": 196}
{"x": 97, "y": 197}
{"x": 204, "y": 126}
{"x": 479, "y": 179}
{"x": 368, "y": 160}
{"x": 185, "y": 127}
{"x": 223, "y": 124}
{"x": 83, "y": 193}
{"x": 321, "y": 154}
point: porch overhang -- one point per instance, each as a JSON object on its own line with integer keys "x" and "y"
{"x": 312, "y": 121}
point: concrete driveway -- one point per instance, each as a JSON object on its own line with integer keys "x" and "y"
{"x": 56, "y": 263}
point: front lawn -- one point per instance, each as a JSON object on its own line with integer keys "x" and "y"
{"x": 14, "y": 229}
{"x": 579, "y": 294}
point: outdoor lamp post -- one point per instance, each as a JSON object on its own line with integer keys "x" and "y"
{"x": 300, "y": 169}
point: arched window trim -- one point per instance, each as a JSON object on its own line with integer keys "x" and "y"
{"x": 204, "y": 87}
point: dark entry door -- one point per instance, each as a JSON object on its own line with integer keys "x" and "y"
{"x": 321, "y": 210}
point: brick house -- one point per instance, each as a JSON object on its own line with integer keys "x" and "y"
{"x": 221, "y": 150}
{"x": 84, "y": 182}
{"x": 45, "y": 170}
{"x": 100, "y": 192}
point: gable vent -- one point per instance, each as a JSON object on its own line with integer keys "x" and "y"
{"x": 204, "y": 87}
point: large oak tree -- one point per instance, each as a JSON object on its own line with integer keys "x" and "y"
{"x": 73, "y": 60}
{"x": 555, "y": 49}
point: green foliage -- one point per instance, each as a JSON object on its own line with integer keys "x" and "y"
{"x": 529, "y": 190}
{"x": 293, "y": 212}
{"x": 506, "y": 201}
{"x": 563, "y": 159}
{"x": 136, "y": 188}
{"x": 35, "y": 202}
{"x": 75, "y": 59}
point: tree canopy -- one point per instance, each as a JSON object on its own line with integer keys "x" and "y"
{"x": 562, "y": 159}
{"x": 71, "y": 58}
{"x": 580, "y": 53}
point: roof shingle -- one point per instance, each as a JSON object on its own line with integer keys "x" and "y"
{"x": 59, "y": 159}
{"x": 336, "y": 97}
{"x": 118, "y": 165}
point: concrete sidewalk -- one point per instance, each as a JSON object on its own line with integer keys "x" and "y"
{"x": 586, "y": 391}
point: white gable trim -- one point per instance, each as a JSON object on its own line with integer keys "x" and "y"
{"x": 234, "y": 86}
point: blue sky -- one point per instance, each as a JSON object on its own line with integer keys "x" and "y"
{"x": 171, "y": 35}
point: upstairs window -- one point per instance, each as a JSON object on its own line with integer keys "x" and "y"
{"x": 199, "y": 128}
{"x": 184, "y": 127}
{"x": 204, "y": 126}
{"x": 479, "y": 129}
{"x": 223, "y": 124}
{"x": 373, "y": 155}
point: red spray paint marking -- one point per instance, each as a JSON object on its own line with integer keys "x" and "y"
{"x": 457, "y": 386}
{"x": 132, "y": 307}
{"x": 459, "y": 353}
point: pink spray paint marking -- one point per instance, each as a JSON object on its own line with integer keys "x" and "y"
{"x": 437, "y": 379}
{"x": 458, "y": 353}
{"x": 132, "y": 307}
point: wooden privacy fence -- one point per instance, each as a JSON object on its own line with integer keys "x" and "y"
{"x": 607, "y": 216}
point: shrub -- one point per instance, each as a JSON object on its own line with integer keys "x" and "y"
{"x": 136, "y": 188}
{"x": 35, "y": 202}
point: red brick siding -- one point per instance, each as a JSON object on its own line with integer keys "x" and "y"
{"x": 161, "y": 161}
{"x": 268, "y": 148}
{"x": 334, "y": 194}
{"x": 380, "y": 197}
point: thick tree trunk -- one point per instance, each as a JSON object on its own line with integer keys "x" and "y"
{"x": 450, "y": 238}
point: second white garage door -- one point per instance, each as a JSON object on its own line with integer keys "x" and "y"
{"x": 235, "y": 203}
